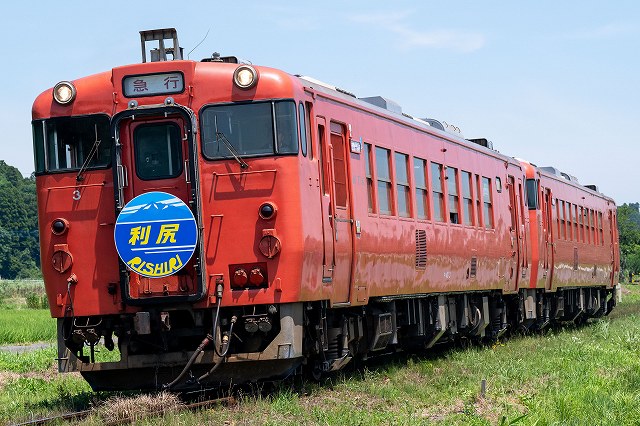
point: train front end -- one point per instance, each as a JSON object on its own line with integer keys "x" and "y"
{"x": 168, "y": 204}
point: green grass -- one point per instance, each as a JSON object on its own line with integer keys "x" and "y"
{"x": 40, "y": 360}
{"x": 36, "y": 396}
{"x": 26, "y": 325}
{"x": 22, "y": 317}
{"x": 572, "y": 376}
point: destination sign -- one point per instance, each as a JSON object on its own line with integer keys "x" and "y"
{"x": 153, "y": 84}
{"x": 155, "y": 234}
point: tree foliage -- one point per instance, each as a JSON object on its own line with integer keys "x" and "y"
{"x": 629, "y": 230}
{"x": 19, "y": 247}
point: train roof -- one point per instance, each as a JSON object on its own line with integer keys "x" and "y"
{"x": 389, "y": 109}
{"x": 553, "y": 173}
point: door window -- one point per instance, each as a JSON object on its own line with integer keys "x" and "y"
{"x": 158, "y": 151}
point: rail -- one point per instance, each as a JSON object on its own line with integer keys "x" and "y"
{"x": 80, "y": 415}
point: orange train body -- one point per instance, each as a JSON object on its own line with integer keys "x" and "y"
{"x": 360, "y": 230}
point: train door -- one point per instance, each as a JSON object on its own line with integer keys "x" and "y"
{"x": 615, "y": 250}
{"x": 525, "y": 246}
{"x": 515, "y": 229}
{"x": 154, "y": 155}
{"x": 325, "y": 203}
{"x": 341, "y": 211}
{"x": 547, "y": 264}
{"x": 336, "y": 212}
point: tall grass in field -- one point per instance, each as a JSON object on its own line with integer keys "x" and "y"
{"x": 24, "y": 313}
{"x": 22, "y": 293}
{"x": 26, "y": 326}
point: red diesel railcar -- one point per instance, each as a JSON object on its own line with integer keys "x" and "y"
{"x": 234, "y": 222}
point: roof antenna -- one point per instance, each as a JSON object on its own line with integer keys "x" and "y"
{"x": 205, "y": 37}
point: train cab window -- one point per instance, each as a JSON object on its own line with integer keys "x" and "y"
{"x": 437, "y": 189}
{"x": 286, "y": 128}
{"x": 467, "y": 198}
{"x": 308, "y": 125}
{"x": 498, "y": 184}
{"x": 452, "y": 192}
{"x": 71, "y": 143}
{"x": 532, "y": 193}
{"x": 158, "y": 151}
{"x": 384, "y": 180}
{"x": 422, "y": 195}
{"x": 252, "y": 129}
{"x": 487, "y": 203}
{"x": 402, "y": 184}
{"x": 304, "y": 129}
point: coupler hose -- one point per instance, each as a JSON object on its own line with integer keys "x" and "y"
{"x": 204, "y": 343}
{"x": 199, "y": 349}
{"x": 226, "y": 342}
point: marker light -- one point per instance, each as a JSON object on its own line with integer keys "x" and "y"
{"x": 59, "y": 226}
{"x": 245, "y": 77}
{"x": 267, "y": 211}
{"x": 64, "y": 92}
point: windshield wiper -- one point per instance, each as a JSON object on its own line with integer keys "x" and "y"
{"x": 92, "y": 152}
{"x": 221, "y": 137}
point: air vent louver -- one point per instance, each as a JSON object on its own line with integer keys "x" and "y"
{"x": 421, "y": 249}
{"x": 473, "y": 269}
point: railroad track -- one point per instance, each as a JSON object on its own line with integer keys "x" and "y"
{"x": 79, "y": 415}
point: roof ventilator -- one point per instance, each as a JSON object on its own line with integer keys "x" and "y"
{"x": 482, "y": 142}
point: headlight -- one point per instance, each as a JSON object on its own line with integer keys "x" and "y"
{"x": 245, "y": 77}
{"x": 64, "y": 92}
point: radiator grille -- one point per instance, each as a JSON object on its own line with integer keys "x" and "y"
{"x": 421, "y": 249}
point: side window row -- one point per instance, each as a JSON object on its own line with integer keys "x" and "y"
{"x": 579, "y": 224}
{"x": 457, "y": 196}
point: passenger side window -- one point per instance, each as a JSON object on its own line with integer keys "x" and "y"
{"x": 467, "y": 198}
{"x": 437, "y": 188}
{"x": 422, "y": 196}
{"x": 384, "y": 180}
{"x": 488, "y": 203}
{"x": 368, "y": 161}
{"x": 402, "y": 184}
{"x": 452, "y": 191}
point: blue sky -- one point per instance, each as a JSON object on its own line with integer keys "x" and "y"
{"x": 556, "y": 83}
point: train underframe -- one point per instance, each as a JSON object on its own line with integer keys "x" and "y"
{"x": 185, "y": 348}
